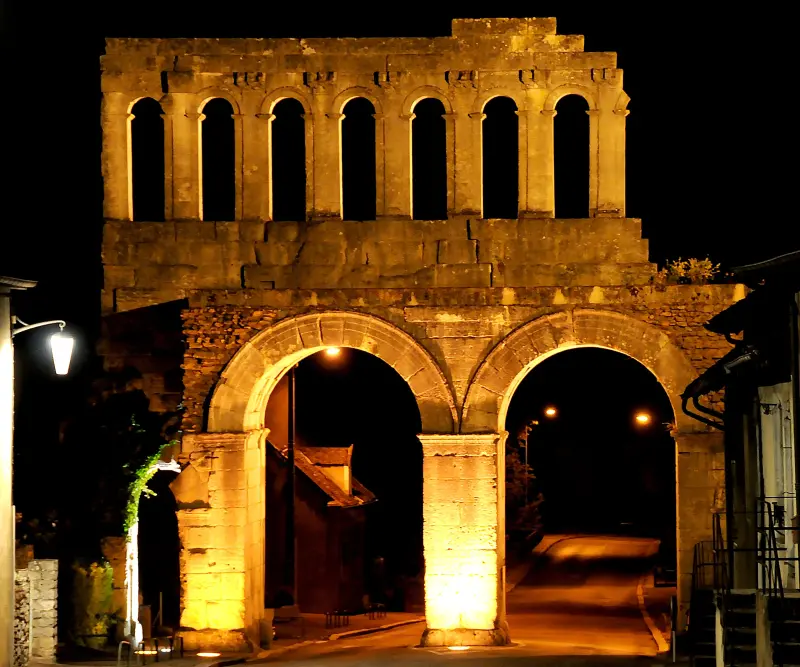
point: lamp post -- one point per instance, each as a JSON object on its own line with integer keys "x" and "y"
{"x": 61, "y": 346}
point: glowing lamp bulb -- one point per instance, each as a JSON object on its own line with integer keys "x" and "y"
{"x": 642, "y": 418}
{"x": 551, "y": 411}
{"x": 333, "y": 351}
{"x": 61, "y": 346}
{"x": 208, "y": 654}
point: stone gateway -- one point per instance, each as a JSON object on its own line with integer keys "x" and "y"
{"x": 462, "y": 307}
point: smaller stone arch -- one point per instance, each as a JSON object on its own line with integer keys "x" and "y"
{"x": 425, "y": 92}
{"x": 135, "y": 100}
{"x": 562, "y": 91}
{"x": 622, "y": 103}
{"x": 205, "y": 95}
{"x": 501, "y": 372}
{"x": 487, "y": 96}
{"x": 268, "y": 103}
{"x": 339, "y": 102}
{"x": 239, "y": 400}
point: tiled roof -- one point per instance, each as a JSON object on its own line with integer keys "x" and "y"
{"x": 329, "y": 456}
{"x": 338, "y": 497}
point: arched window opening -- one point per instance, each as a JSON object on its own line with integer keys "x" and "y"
{"x": 358, "y": 160}
{"x": 500, "y": 132}
{"x": 374, "y": 546}
{"x": 288, "y": 161}
{"x": 147, "y": 160}
{"x": 218, "y": 161}
{"x": 571, "y": 148}
{"x": 429, "y": 160}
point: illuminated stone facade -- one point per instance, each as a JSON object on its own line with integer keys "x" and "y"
{"x": 461, "y": 307}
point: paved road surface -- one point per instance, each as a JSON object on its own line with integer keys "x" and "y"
{"x": 577, "y": 608}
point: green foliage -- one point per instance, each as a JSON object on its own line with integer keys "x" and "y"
{"x": 138, "y": 486}
{"x": 92, "y": 603}
{"x": 523, "y": 498}
{"x": 690, "y": 271}
{"x": 110, "y": 448}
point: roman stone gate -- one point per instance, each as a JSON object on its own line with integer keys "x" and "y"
{"x": 236, "y": 220}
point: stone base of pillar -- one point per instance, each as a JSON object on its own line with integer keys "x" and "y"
{"x": 465, "y": 637}
{"x": 531, "y": 215}
{"x": 232, "y": 641}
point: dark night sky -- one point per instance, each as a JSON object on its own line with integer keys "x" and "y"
{"x": 709, "y": 136}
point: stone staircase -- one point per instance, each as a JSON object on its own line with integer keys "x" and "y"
{"x": 739, "y": 623}
{"x": 784, "y": 625}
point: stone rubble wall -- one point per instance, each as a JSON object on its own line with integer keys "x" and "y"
{"x": 22, "y": 618}
{"x": 36, "y": 612}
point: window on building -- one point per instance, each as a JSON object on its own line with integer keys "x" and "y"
{"x": 429, "y": 161}
{"x": 147, "y": 160}
{"x": 218, "y": 161}
{"x": 288, "y": 161}
{"x": 571, "y": 149}
{"x": 500, "y": 130}
{"x": 358, "y": 160}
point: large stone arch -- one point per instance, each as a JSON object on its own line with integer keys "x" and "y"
{"x": 493, "y": 384}
{"x": 240, "y": 398}
{"x": 700, "y": 458}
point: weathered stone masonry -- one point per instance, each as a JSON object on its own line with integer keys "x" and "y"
{"x": 462, "y": 308}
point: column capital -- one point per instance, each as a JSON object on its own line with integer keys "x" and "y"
{"x": 593, "y": 112}
{"x": 551, "y": 113}
{"x": 335, "y": 116}
{"x": 236, "y": 116}
{"x": 472, "y": 444}
{"x": 621, "y": 112}
{"x": 477, "y": 115}
{"x": 408, "y": 116}
{"x": 269, "y": 117}
{"x": 379, "y": 116}
{"x": 453, "y": 114}
{"x": 193, "y": 115}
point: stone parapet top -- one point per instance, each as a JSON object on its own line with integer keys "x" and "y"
{"x": 462, "y": 445}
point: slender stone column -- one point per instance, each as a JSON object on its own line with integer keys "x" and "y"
{"x": 450, "y": 143}
{"x": 594, "y": 160}
{"x": 700, "y": 473}
{"x": 522, "y": 160}
{"x": 186, "y": 196}
{"x": 221, "y": 512}
{"x": 540, "y": 186}
{"x": 380, "y": 164}
{"x": 398, "y": 165}
{"x": 463, "y": 527}
{"x": 611, "y": 163}
{"x": 168, "y": 170}
{"x": 238, "y": 163}
{"x": 328, "y": 165}
{"x": 258, "y": 167}
{"x": 116, "y": 151}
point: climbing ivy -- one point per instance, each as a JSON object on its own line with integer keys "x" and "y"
{"x": 138, "y": 486}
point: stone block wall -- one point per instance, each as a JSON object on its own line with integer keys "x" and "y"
{"x": 43, "y": 575}
{"x": 36, "y": 612}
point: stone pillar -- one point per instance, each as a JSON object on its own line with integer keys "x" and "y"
{"x": 463, "y": 529}
{"x": 43, "y": 575}
{"x": 328, "y": 165}
{"x": 380, "y": 164}
{"x": 221, "y": 507}
{"x": 238, "y": 164}
{"x": 185, "y": 157}
{"x": 594, "y": 160}
{"x": 115, "y": 123}
{"x": 700, "y": 471}
{"x": 450, "y": 151}
{"x": 522, "y": 160}
{"x": 467, "y": 162}
{"x": 611, "y": 163}
{"x": 540, "y": 155}
{"x": 398, "y": 165}
{"x": 168, "y": 208}
{"x": 258, "y": 167}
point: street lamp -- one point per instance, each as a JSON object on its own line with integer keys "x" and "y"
{"x": 550, "y": 411}
{"x": 61, "y": 346}
{"x": 643, "y": 418}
